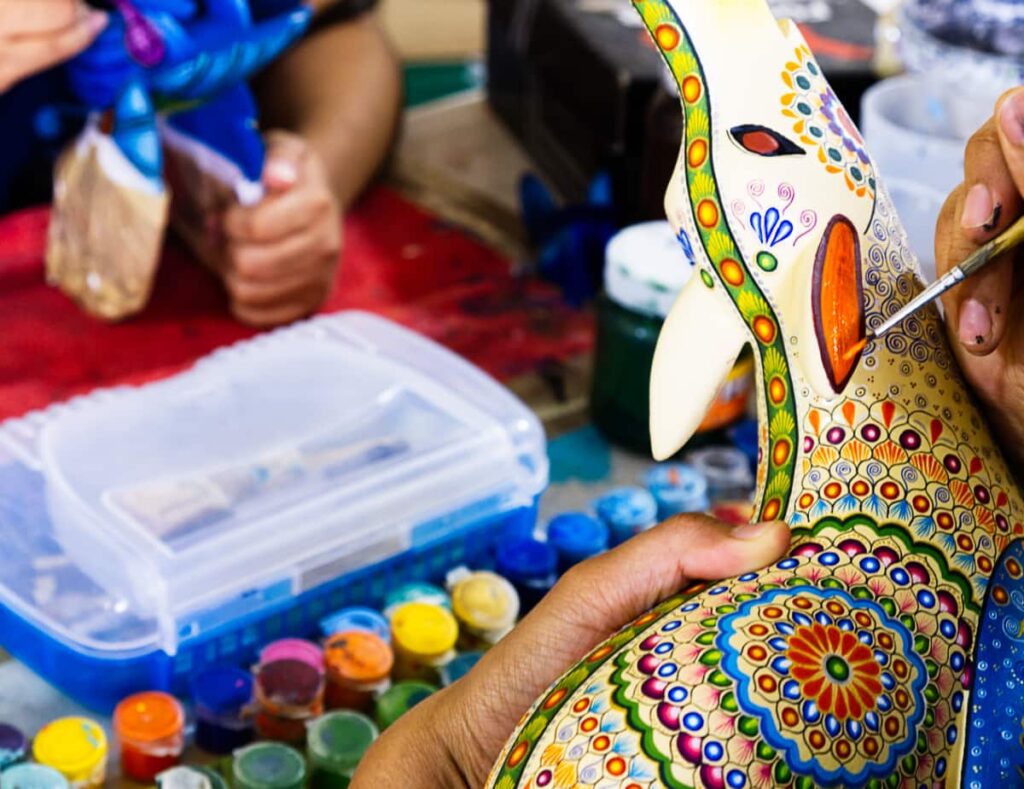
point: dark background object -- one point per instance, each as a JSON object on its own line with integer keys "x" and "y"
{"x": 580, "y": 84}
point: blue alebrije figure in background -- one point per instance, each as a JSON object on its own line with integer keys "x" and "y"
{"x": 187, "y": 60}
{"x": 570, "y": 239}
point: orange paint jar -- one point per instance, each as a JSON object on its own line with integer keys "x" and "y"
{"x": 151, "y": 730}
{"x": 358, "y": 668}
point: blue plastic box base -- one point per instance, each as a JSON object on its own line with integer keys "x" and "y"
{"x": 99, "y": 682}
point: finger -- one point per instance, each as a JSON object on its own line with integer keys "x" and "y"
{"x": 1010, "y": 117}
{"x": 37, "y": 52}
{"x": 286, "y": 155}
{"x": 34, "y": 17}
{"x": 268, "y": 317}
{"x": 255, "y": 294}
{"x": 280, "y": 259}
{"x": 277, "y": 216}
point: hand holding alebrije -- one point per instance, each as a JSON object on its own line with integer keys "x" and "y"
{"x": 453, "y": 738}
{"x": 38, "y": 34}
{"x": 985, "y": 315}
{"x": 281, "y": 254}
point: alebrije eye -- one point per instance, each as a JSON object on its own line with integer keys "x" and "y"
{"x": 763, "y": 141}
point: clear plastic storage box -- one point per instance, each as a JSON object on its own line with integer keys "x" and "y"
{"x": 148, "y": 532}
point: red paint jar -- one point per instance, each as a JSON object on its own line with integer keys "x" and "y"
{"x": 289, "y": 694}
{"x": 151, "y": 730}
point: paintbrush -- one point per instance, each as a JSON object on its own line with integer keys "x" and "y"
{"x": 975, "y": 262}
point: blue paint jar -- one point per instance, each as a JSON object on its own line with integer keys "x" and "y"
{"x": 677, "y": 488}
{"x": 32, "y": 776}
{"x": 221, "y": 696}
{"x": 626, "y": 512}
{"x": 13, "y": 746}
{"x": 459, "y": 667}
{"x": 356, "y": 618}
{"x": 576, "y": 537}
{"x": 415, "y": 592}
{"x": 531, "y": 566}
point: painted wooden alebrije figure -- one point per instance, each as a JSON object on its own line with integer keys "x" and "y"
{"x": 165, "y": 77}
{"x": 886, "y": 650}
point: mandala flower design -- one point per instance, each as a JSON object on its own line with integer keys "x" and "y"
{"x": 835, "y": 670}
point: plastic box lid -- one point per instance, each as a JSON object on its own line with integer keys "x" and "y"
{"x": 265, "y": 470}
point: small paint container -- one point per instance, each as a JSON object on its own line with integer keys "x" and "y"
{"x": 150, "y": 728}
{"x": 268, "y": 765}
{"x": 415, "y": 592}
{"x": 423, "y": 636}
{"x": 626, "y": 512}
{"x": 358, "y": 668}
{"x": 356, "y": 618}
{"x": 336, "y": 743}
{"x": 76, "y": 748}
{"x": 293, "y": 649}
{"x": 221, "y": 697}
{"x": 576, "y": 536}
{"x": 726, "y": 470}
{"x": 735, "y": 513}
{"x": 677, "y": 488}
{"x": 399, "y": 699}
{"x": 32, "y": 776}
{"x": 459, "y": 667}
{"x": 13, "y": 746}
{"x": 190, "y": 777}
{"x": 531, "y": 566}
{"x": 288, "y": 694}
{"x": 485, "y": 606}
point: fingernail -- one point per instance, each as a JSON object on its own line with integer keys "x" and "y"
{"x": 975, "y": 323}
{"x": 1011, "y": 118}
{"x": 980, "y": 210}
{"x": 97, "y": 20}
{"x": 751, "y": 531}
{"x": 282, "y": 171}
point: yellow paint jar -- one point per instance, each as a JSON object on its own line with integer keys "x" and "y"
{"x": 485, "y": 606}
{"x": 76, "y": 748}
{"x": 423, "y": 636}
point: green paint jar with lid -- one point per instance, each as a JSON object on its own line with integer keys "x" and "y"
{"x": 399, "y": 699}
{"x": 646, "y": 266}
{"x": 268, "y": 765}
{"x": 335, "y": 744}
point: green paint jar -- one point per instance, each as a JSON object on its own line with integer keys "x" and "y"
{"x": 399, "y": 699}
{"x": 646, "y": 266}
{"x": 335, "y": 744}
{"x": 268, "y": 765}
{"x": 189, "y": 777}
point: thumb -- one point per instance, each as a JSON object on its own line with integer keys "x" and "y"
{"x": 285, "y": 155}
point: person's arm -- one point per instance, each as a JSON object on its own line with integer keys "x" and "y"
{"x": 985, "y": 315}
{"x": 38, "y": 34}
{"x": 452, "y": 738}
{"x": 340, "y": 90}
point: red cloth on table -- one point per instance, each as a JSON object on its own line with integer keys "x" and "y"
{"x": 398, "y": 261}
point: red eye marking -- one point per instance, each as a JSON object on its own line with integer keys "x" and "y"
{"x": 763, "y": 141}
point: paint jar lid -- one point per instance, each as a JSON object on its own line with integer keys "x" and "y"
{"x": 289, "y": 682}
{"x": 397, "y": 700}
{"x": 577, "y": 535}
{"x": 485, "y": 603}
{"x": 13, "y": 745}
{"x": 339, "y": 740}
{"x": 632, "y": 508}
{"x": 71, "y": 745}
{"x": 149, "y": 717}
{"x": 526, "y": 559}
{"x": 222, "y": 690}
{"x": 294, "y": 649}
{"x": 415, "y": 592}
{"x": 424, "y": 631}
{"x": 356, "y": 618}
{"x": 358, "y": 657}
{"x": 646, "y": 266}
{"x": 32, "y": 776}
{"x": 269, "y": 765}
{"x": 459, "y": 667}
{"x": 677, "y": 488}
{"x": 726, "y": 470}
{"x": 190, "y": 777}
